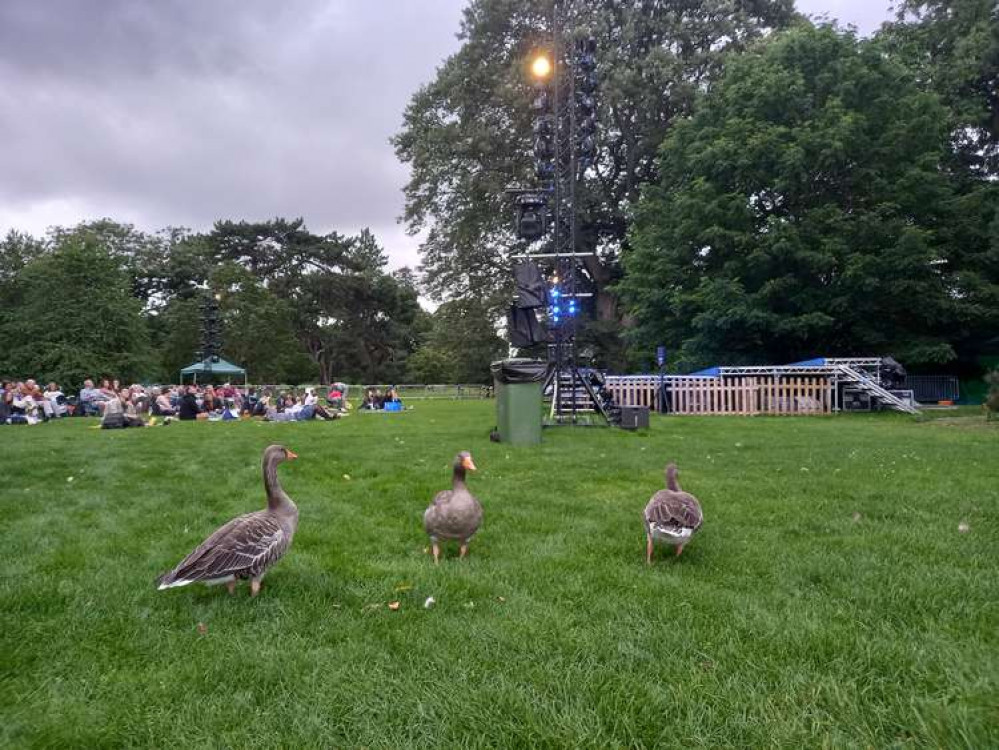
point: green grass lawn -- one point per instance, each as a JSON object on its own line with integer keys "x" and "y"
{"x": 829, "y": 600}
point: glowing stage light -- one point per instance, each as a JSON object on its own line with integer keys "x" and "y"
{"x": 541, "y": 67}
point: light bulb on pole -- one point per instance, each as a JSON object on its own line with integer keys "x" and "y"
{"x": 541, "y": 67}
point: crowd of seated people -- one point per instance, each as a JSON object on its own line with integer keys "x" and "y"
{"x": 133, "y": 406}
{"x": 375, "y": 400}
{"x": 26, "y": 403}
{"x": 289, "y": 407}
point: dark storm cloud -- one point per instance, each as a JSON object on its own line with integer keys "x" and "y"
{"x": 183, "y": 112}
{"x": 179, "y": 112}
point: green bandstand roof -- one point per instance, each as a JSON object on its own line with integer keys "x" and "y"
{"x": 222, "y": 367}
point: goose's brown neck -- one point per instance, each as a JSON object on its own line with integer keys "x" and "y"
{"x": 458, "y": 480}
{"x": 277, "y": 499}
{"x": 671, "y": 481}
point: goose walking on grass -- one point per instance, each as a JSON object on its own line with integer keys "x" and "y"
{"x": 454, "y": 513}
{"x": 249, "y": 544}
{"x": 672, "y": 516}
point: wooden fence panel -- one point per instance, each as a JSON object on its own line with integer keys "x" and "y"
{"x": 714, "y": 395}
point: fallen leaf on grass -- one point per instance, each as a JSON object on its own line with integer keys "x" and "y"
{"x": 403, "y": 587}
{"x": 69, "y": 479}
{"x": 202, "y": 628}
{"x": 856, "y": 517}
{"x": 347, "y": 477}
{"x": 501, "y": 599}
{"x": 963, "y": 527}
{"x": 394, "y": 606}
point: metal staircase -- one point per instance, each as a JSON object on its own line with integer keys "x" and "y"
{"x": 863, "y": 382}
{"x": 858, "y": 373}
{"x": 573, "y": 399}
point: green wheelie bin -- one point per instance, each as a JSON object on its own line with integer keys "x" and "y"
{"x": 518, "y": 384}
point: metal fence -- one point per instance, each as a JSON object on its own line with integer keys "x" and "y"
{"x": 933, "y": 388}
{"x": 406, "y": 391}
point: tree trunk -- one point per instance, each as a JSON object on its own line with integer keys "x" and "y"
{"x": 605, "y": 303}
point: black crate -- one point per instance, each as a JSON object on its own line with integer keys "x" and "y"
{"x": 634, "y": 417}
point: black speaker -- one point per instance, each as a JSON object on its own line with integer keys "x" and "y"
{"x": 634, "y": 417}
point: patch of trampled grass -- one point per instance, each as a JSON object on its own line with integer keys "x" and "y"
{"x": 830, "y": 598}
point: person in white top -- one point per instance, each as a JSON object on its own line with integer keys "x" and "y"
{"x": 52, "y": 395}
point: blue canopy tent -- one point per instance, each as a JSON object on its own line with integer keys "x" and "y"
{"x": 206, "y": 367}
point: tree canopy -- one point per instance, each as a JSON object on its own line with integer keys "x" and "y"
{"x": 295, "y": 306}
{"x": 69, "y": 314}
{"x": 804, "y": 210}
{"x": 466, "y": 135}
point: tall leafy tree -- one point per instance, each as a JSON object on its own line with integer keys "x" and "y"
{"x": 76, "y": 318}
{"x": 466, "y": 135}
{"x": 350, "y": 316}
{"x": 460, "y": 346}
{"x": 953, "y": 47}
{"x": 803, "y": 211}
{"x": 258, "y": 328}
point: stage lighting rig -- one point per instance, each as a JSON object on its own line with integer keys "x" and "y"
{"x": 564, "y": 145}
{"x": 532, "y": 209}
{"x": 211, "y": 331}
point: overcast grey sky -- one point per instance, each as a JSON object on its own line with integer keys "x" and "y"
{"x": 177, "y": 112}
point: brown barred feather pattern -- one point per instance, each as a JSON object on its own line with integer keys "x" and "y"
{"x": 244, "y": 548}
{"x": 668, "y": 508}
{"x": 673, "y": 511}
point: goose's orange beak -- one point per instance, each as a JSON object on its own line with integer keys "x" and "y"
{"x": 289, "y": 454}
{"x": 468, "y": 463}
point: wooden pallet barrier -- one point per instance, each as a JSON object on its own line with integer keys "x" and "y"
{"x": 726, "y": 395}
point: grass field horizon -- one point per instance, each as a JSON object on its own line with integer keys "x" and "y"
{"x": 830, "y": 599}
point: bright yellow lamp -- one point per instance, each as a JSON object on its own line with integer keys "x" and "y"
{"x": 541, "y": 67}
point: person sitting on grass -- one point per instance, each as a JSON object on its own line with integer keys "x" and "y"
{"x": 45, "y": 407}
{"x": 310, "y": 408}
{"x": 5, "y": 398}
{"x": 273, "y": 414}
{"x": 162, "y": 407}
{"x": 25, "y": 406}
{"x": 57, "y": 398}
{"x": 114, "y": 414}
{"x": 257, "y": 403}
{"x": 139, "y": 399}
{"x": 106, "y": 390}
{"x": 373, "y": 399}
{"x": 189, "y": 408}
{"x": 212, "y": 402}
{"x": 132, "y": 409}
{"x": 91, "y": 399}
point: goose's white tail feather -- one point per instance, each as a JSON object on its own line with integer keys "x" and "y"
{"x": 173, "y": 584}
{"x": 184, "y": 582}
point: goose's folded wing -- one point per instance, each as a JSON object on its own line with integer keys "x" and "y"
{"x": 245, "y": 545}
{"x": 668, "y": 508}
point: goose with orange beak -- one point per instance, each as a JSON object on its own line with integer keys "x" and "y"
{"x": 454, "y": 513}
{"x": 248, "y": 545}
